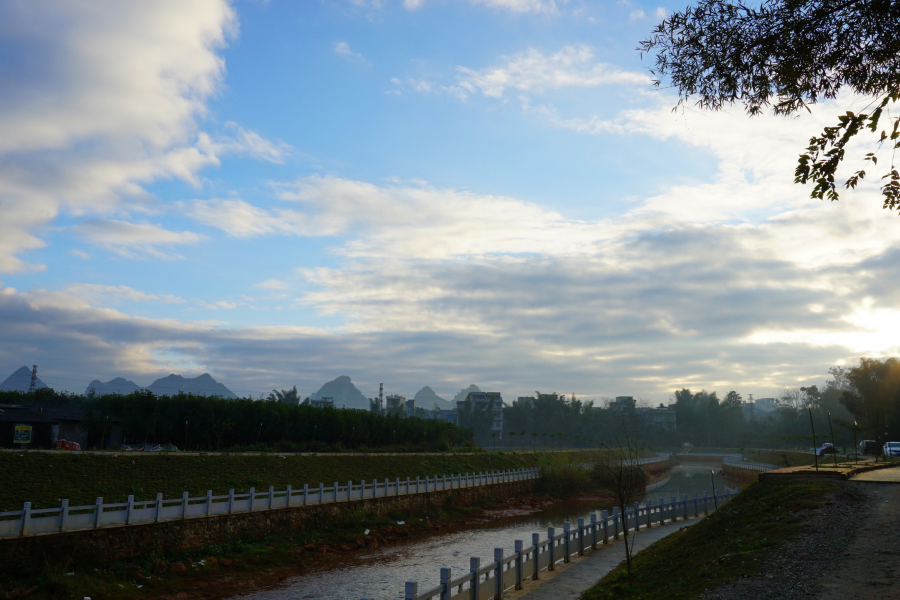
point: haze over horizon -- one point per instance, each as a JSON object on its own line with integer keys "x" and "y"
{"x": 415, "y": 192}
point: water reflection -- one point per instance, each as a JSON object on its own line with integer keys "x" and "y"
{"x": 381, "y": 573}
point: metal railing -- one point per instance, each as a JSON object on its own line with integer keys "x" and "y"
{"x": 749, "y": 465}
{"x": 510, "y": 571}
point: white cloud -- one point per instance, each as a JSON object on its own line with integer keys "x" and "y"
{"x": 513, "y": 6}
{"x": 101, "y": 98}
{"x": 534, "y": 72}
{"x": 343, "y": 49}
{"x": 115, "y": 294}
{"x": 661, "y": 13}
{"x": 637, "y": 14}
{"x": 134, "y": 240}
{"x": 244, "y": 142}
{"x": 272, "y": 284}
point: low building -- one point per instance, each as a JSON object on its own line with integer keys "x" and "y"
{"x": 445, "y": 415}
{"x": 43, "y": 426}
{"x": 324, "y": 402}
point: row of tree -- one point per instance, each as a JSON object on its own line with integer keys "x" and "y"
{"x": 212, "y": 423}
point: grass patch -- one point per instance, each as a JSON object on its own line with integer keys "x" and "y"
{"x": 46, "y": 479}
{"x": 784, "y": 458}
{"x": 728, "y": 544}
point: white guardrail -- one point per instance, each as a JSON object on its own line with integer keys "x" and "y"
{"x": 750, "y": 465}
{"x": 507, "y": 572}
{"x": 29, "y": 521}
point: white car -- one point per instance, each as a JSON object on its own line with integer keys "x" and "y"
{"x": 891, "y": 449}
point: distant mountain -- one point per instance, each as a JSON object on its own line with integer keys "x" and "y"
{"x": 204, "y": 385}
{"x": 20, "y": 381}
{"x": 118, "y": 385}
{"x": 426, "y": 398}
{"x": 463, "y": 393}
{"x": 344, "y": 393}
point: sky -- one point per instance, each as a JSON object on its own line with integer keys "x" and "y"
{"x": 413, "y": 192}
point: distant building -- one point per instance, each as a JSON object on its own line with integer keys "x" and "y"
{"x": 661, "y": 416}
{"x": 760, "y": 408}
{"x": 483, "y": 399}
{"x": 42, "y": 426}
{"x": 325, "y": 402}
{"x": 622, "y": 403}
{"x": 445, "y": 415}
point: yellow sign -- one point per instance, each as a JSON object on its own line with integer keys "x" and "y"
{"x": 23, "y": 434}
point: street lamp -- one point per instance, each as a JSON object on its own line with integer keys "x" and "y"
{"x": 812, "y": 425}
{"x": 712, "y": 480}
{"x": 832, "y": 439}
{"x": 855, "y": 449}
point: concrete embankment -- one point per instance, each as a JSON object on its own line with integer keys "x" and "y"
{"x": 101, "y": 546}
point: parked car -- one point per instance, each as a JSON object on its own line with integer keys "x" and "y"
{"x": 891, "y": 449}
{"x": 867, "y": 447}
{"x": 826, "y": 449}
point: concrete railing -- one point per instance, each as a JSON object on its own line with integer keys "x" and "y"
{"x": 30, "y": 521}
{"x": 510, "y": 571}
{"x": 749, "y": 465}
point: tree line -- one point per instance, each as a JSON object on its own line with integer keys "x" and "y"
{"x": 212, "y": 423}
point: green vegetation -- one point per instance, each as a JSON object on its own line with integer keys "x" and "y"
{"x": 728, "y": 544}
{"x": 45, "y": 479}
{"x": 560, "y": 477}
{"x": 784, "y": 458}
{"x": 212, "y": 423}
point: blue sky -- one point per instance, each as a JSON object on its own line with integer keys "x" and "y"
{"x": 433, "y": 192}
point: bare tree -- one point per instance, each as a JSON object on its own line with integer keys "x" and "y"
{"x": 619, "y": 471}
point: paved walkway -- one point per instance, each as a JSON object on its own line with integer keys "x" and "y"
{"x": 890, "y": 475}
{"x": 569, "y": 580}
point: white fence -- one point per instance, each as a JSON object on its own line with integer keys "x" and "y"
{"x": 506, "y": 572}
{"x": 749, "y": 465}
{"x": 30, "y": 521}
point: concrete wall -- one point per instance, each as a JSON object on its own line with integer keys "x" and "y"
{"x": 100, "y": 547}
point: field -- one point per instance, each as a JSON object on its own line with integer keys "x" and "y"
{"x": 45, "y": 479}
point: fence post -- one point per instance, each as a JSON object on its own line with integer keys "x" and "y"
{"x": 252, "y": 498}
{"x": 498, "y": 573}
{"x": 550, "y": 533}
{"x": 397, "y": 490}
{"x": 64, "y": 515}
{"x": 407, "y": 485}
{"x": 417, "y": 484}
{"x": 474, "y": 565}
{"x": 375, "y": 487}
{"x": 685, "y": 502}
{"x": 616, "y": 519}
{"x": 208, "y": 502}
{"x": 129, "y": 511}
{"x": 349, "y": 490}
{"x": 184, "y": 505}
{"x": 605, "y": 516}
{"x": 321, "y": 493}
{"x": 648, "y": 506}
{"x": 696, "y": 510}
{"x": 305, "y": 493}
{"x": 289, "y": 491}
{"x": 674, "y": 514}
{"x": 362, "y": 489}
{"x": 411, "y": 590}
{"x": 271, "y": 496}
{"x": 445, "y": 583}
{"x": 580, "y": 536}
{"x": 536, "y": 556}
{"x": 98, "y": 513}
{"x": 335, "y": 491}
{"x": 593, "y": 531}
{"x": 705, "y": 504}
{"x": 520, "y": 571}
{"x": 26, "y": 518}
{"x": 637, "y": 517}
{"x": 230, "y": 501}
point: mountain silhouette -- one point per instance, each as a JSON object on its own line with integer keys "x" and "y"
{"x": 463, "y": 393}
{"x": 204, "y": 385}
{"x": 344, "y": 393}
{"x": 20, "y": 381}
{"x": 119, "y": 385}
{"x": 426, "y": 398}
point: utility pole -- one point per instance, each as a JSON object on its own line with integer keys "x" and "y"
{"x": 380, "y": 397}
{"x": 813, "y": 427}
{"x": 33, "y": 386}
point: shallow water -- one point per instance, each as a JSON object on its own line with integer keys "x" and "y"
{"x": 381, "y": 573}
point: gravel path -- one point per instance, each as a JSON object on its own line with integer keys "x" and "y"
{"x": 849, "y": 552}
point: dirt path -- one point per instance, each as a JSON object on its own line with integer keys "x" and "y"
{"x": 869, "y": 567}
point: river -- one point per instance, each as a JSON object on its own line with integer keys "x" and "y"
{"x": 382, "y": 572}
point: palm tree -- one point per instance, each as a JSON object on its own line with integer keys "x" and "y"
{"x": 286, "y": 396}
